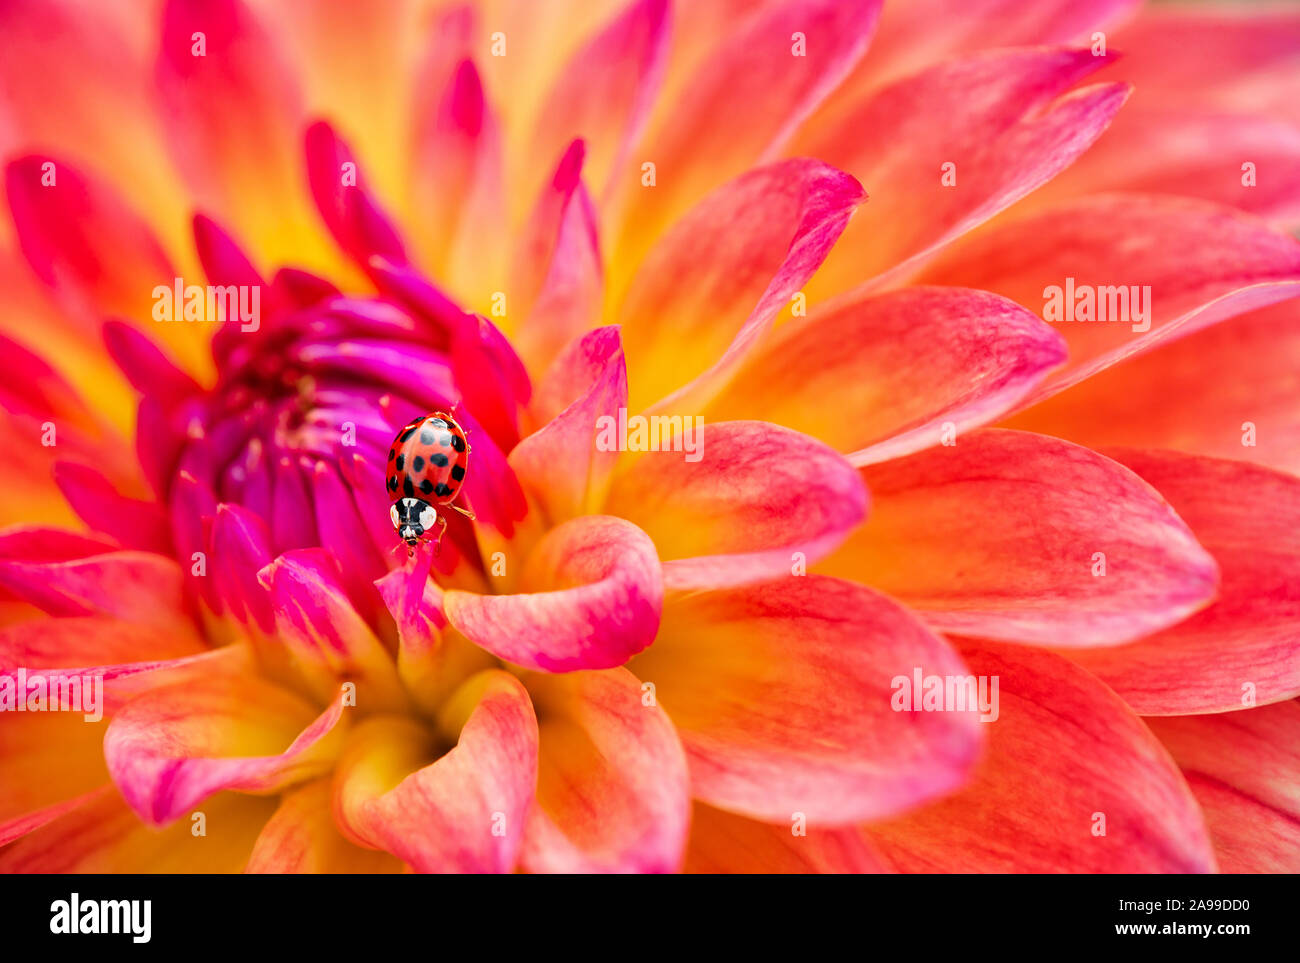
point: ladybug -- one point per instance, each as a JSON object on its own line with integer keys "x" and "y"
{"x": 426, "y": 467}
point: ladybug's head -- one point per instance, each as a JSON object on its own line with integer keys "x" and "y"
{"x": 412, "y": 517}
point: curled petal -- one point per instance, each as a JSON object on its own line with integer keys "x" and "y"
{"x": 461, "y": 810}
{"x": 751, "y": 501}
{"x": 900, "y": 366}
{"x": 613, "y": 794}
{"x": 1027, "y": 538}
{"x": 1244, "y": 769}
{"x": 1246, "y": 641}
{"x": 782, "y": 694}
{"x": 1072, "y": 782}
{"x": 173, "y": 747}
{"x": 589, "y": 598}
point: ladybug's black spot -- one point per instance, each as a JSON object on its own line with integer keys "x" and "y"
{"x": 458, "y": 472}
{"x": 426, "y": 437}
{"x": 438, "y": 459}
{"x": 401, "y": 461}
{"x": 426, "y": 486}
{"x": 407, "y": 433}
{"x": 417, "y": 466}
{"x": 442, "y": 488}
{"x": 392, "y": 452}
{"x": 457, "y": 442}
{"x": 392, "y": 484}
{"x": 408, "y": 488}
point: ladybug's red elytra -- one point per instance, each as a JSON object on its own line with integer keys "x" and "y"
{"x": 426, "y": 467}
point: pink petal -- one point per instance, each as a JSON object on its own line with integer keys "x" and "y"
{"x": 589, "y": 598}
{"x": 173, "y": 747}
{"x": 781, "y": 695}
{"x": 241, "y": 547}
{"x": 1245, "y": 643}
{"x": 899, "y": 366}
{"x": 457, "y": 181}
{"x": 613, "y": 794}
{"x": 459, "y": 811}
{"x": 84, "y": 241}
{"x": 1064, "y": 754}
{"x": 1027, "y": 538}
{"x": 130, "y": 585}
{"x": 1243, "y": 768}
{"x": 430, "y": 661}
{"x": 1010, "y": 127}
{"x": 1200, "y": 262}
{"x": 133, "y": 523}
{"x": 563, "y": 266}
{"x": 351, "y": 214}
{"x": 560, "y": 464}
{"x": 149, "y": 370}
{"x": 713, "y": 285}
{"x": 754, "y": 501}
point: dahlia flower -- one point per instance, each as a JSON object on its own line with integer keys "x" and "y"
{"x": 248, "y": 240}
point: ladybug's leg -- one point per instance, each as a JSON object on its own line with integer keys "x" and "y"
{"x": 464, "y": 511}
{"x": 442, "y": 529}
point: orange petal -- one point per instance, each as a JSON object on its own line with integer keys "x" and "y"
{"x": 590, "y": 597}
{"x": 1192, "y": 264}
{"x": 1244, "y": 769}
{"x": 171, "y": 748}
{"x": 1235, "y": 382}
{"x": 751, "y": 501}
{"x": 301, "y": 838}
{"x": 1245, "y": 644}
{"x": 898, "y": 366}
{"x": 1072, "y": 782}
{"x": 613, "y": 794}
{"x": 1028, "y": 538}
{"x": 399, "y": 788}
{"x": 717, "y": 280}
{"x": 722, "y": 842}
{"x": 781, "y": 694}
